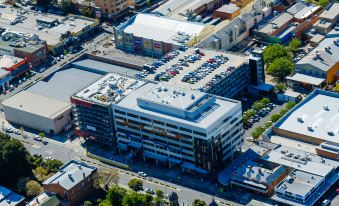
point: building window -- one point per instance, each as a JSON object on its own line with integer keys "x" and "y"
{"x": 199, "y": 133}
{"x": 171, "y": 126}
{"x": 132, "y": 115}
{"x": 185, "y": 129}
{"x": 120, "y": 112}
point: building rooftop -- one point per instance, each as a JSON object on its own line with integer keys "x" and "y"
{"x": 71, "y": 174}
{"x": 296, "y": 8}
{"x": 37, "y": 104}
{"x": 45, "y": 199}
{"x": 299, "y": 182}
{"x": 206, "y": 74}
{"x": 316, "y": 116}
{"x": 276, "y": 23}
{"x": 52, "y": 35}
{"x": 167, "y": 30}
{"x": 331, "y": 13}
{"x": 228, "y": 8}
{"x": 306, "y": 79}
{"x": 109, "y": 89}
{"x": 258, "y": 174}
{"x": 201, "y": 113}
{"x": 9, "y": 198}
{"x": 306, "y": 12}
{"x": 7, "y": 61}
{"x": 324, "y": 56}
{"x": 301, "y": 160}
{"x": 170, "y": 7}
{"x": 62, "y": 84}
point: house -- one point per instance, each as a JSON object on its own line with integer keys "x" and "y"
{"x": 72, "y": 182}
{"x": 10, "y": 198}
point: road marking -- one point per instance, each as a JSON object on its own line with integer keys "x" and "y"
{"x": 36, "y": 146}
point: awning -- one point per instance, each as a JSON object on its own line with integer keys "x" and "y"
{"x": 155, "y": 156}
{"x": 263, "y": 87}
{"x": 173, "y": 160}
{"x": 122, "y": 146}
{"x": 136, "y": 145}
{"x": 191, "y": 166}
{"x": 306, "y": 79}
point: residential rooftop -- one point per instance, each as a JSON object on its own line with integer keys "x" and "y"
{"x": 70, "y": 174}
{"x": 331, "y": 13}
{"x": 109, "y": 89}
{"x": 306, "y": 12}
{"x": 208, "y": 74}
{"x": 9, "y": 198}
{"x": 228, "y": 8}
{"x": 324, "y": 56}
{"x": 276, "y": 23}
{"x": 259, "y": 175}
{"x": 316, "y": 116}
{"x": 167, "y": 30}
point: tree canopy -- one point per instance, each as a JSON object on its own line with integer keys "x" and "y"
{"x": 273, "y": 52}
{"x": 136, "y": 184}
{"x": 198, "y": 202}
{"x": 33, "y": 188}
{"x": 280, "y": 68}
{"x": 323, "y": 3}
{"x": 294, "y": 45}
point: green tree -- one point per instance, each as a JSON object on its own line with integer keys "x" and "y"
{"x": 115, "y": 195}
{"x": 105, "y": 203}
{"x": 21, "y": 183}
{"x": 265, "y": 101}
{"x": 280, "y": 68}
{"x": 257, "y": 105}
{"x": 159, "y": 199}
{"x": 273, "y": 52}
{"x": 86, "y": 11}
{"x": 275, "y": 117}
{"x": 281, "y": 87}
{"x": 14, "y": 161}
{"x": 52, "y": 166}
{"x": 136, "y": 184}
{"x": 40, "y": 173}
{"x": 88, "y": 203}
{"x": 33, "y": 188}
{"x": 198, "y": 202}
{"x": 66, "y": 6}
{"x": 294, "y": 45}
{"x": 42, "y": 135}
{"x": 135, "y": 199}
{"x": 46, "y": 3}
{"x": 323, "y": 3}
{"x": 289, "y": 105}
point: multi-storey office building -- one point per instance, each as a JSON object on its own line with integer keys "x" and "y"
{"x": 174, "y": 126}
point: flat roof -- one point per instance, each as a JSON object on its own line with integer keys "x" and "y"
{"x": 9, "y": 198}
{"x": 167, "y": 30}
{"x": 28, "y": 47}
{"x": 299, "y": 182}
{"x": 221, "y": 107}
{"x": 234, "y": 60}
{"x": 316, "y": 116}
{"x": 306, "y": 12}
{"x": 228, "y": 8}
{"x": 70, "y": 174}
{"x": 7, "y": 61}
{"x": 276, "y": 23}
{"x": 301, "y": 160}
{"x": 50, "y": 35}
{"x": 332, "y": 12}
{"x": 62, "y": 84}
{"x": 324, "y": 56}
{"x": 296, "y": 8}
{"x": 103, "y": 67}
{"x": 109, "y": 89}
{"x": 170, "y": 6}
{"x": 36, "y": 104}
{"x": 306, "y": 79}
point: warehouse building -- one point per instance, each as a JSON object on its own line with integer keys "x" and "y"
{"x": 143, "y": 117}
{"x": 155, "y": 36}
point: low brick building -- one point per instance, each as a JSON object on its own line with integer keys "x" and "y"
{"x": 72, "y": 183}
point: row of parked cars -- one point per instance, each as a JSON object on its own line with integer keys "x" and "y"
{"x": 149, "y": 190}
{"x": 261, "y": 113}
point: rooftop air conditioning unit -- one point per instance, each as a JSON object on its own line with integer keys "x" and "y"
{"x": 310, "y": 128}
{"x": 325, "y": 107}
{"x": 331, "y": 133}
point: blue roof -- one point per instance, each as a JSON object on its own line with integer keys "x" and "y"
{"x": 9, "y": 198}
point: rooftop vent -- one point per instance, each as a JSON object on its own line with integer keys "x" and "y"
{"x": 310, "y": 128}
{"x": 300, "y": 119}
{"x": 325, "y": 107}
{"x": 192, "y": 96}
{"x": 331, "y": 133}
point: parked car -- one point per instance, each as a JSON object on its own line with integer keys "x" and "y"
{"x": 9, "y": 130}
{"x": 326, "y": 202}
{"x": 150, "y": 191}
{"x": 250, "y": 139}
{"x": 142, "y": 174}
{"x": 37, "y": 138}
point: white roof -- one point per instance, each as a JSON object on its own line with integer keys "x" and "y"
{"x": 36, "y": 104}
{"x": 331, "y": 13}
{"x": 7, "y": 61}
{"x": 306, "y": 79}
{"x": 319, "y": 111}
{"x": 161, "y": 28}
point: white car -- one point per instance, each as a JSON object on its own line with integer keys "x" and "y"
{"x": 17, "y": 132}
{"x": 9, "y": 130}
{"x": 250, "y": 139}
{"x": 49, "y": 158}
{"x": 142, "y": 174}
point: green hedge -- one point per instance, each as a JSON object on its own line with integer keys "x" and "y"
{"x": 110, "y": 162}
